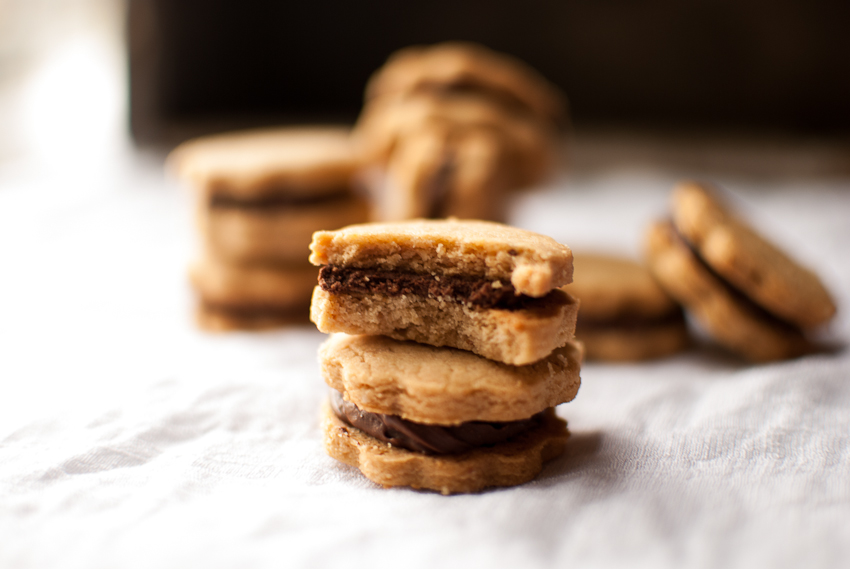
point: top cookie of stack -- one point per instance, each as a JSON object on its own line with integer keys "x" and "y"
{"x": 260, "y": 196}
{"x": 449, "y": 129}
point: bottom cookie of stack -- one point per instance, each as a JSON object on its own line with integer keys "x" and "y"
{"x": 442, "y": 419}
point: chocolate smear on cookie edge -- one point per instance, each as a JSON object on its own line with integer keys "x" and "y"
{"x": 478, "y": 291}
{"x": 747, "y": 303}
{"x": 429, "y": 439}
{"x": 276, "y": 200}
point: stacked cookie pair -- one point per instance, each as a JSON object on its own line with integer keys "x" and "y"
{"x": 746, "y": 293}
{"x": 260, "y": 196}
{"x": 448, "y": 129}
{"x": 451, "y": 345}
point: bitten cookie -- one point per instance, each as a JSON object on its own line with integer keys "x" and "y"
{"x": 478, "y": 286}
{"x": 235, "y": 296}
{"x": 262, "y": 193}
{"x": 731, "y": 279}
{"x": 408, "y": 414}
{"x": 625, "y": 315}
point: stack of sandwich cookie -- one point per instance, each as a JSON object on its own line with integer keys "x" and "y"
{"x": 625, "y": 314}
{"x": 450, "y": 128}
{"x": 261, "y": 195}
{"x": 469, "y": 403}
{"x": 750, "y": 296}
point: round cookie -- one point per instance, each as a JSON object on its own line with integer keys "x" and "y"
{"x": 254, "y": 164}
{"x": 747, "y": 260}
{"x": 728, "y": 316}
{"x": 625, "y": 315}
{"x": 458, "y": 66}
{"x": 444, "y": 386}
{"x": 215, "y": 319}
{"x": 507, "y": 464}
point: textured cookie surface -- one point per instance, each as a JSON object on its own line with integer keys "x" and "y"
{"x": 508, "y": 464}
{"x": 467, "y": 66}
{"x": 515, "y": 337}
{"x": 533, "y": 263}
{"x": 443, "y": 386}
{"x": 747, "y": 260}
{"x": 255, "y": 163}
{"x": 732, "y": 320}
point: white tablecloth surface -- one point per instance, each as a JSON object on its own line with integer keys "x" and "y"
{"x": 129, "y": 439}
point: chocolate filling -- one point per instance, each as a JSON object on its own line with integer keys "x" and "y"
{"x": 429, "y": 439}
{"x": 277, "y": 200}
{"x": 745, "y": 301}
{"x": 476, "y": 291}
{"x": 631, "y": 322}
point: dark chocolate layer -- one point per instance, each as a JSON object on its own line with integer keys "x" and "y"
{"x": 631, "y": 322}
{"x": 277, "y": 200}
{"x": 476, "y": 291}
{"x": 756, "y": 310}
{"x": 429, "y": 439}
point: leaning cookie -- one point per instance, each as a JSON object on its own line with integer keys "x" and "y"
{"x": 730, "y": 317}
{"x": 250, "y": 297}
{"x": 747, "y": 260}
{"x": 478, "y": 286}
{"x": 262, "y": 193}
{"x": 408, "y": 414}
{"x": 625, "y": 315}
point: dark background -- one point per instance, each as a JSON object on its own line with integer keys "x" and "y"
{"x": 780, "y": 66}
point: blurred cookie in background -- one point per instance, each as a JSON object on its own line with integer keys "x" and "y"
{"x": 463, "y": 67}
{"x": 260, "y": 196}
{"x": 430, "y": 110}
{"x": 748, "y": 295}
{"x": 624, "y": 315}
{"x": 234, "y": 296}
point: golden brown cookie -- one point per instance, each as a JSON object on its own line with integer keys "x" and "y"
{"x": 730, "y": 317}
{"x": 262, "y": 193}
{"x": 217, "y": 319}
{"x": 468, "y": 68}
{"x": 444, "y": 386}
{"x": 747, "y": 260}
{"x": 478, "y": 286}
{"x": 534, "y": 264}
{"x": 625, "y": 315}
{"x": 514, "y": 462}
{"x": 264, "y": 163}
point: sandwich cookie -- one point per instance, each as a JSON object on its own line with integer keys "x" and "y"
{"x": 262, "y": 193}
{"x": 750, "y": 296}
{"x": 625, "y": 315}
{"x": 473, "y": 285}
{"x": 408, "y": 414}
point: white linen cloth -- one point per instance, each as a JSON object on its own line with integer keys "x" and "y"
{"x": 129, "y": 439}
